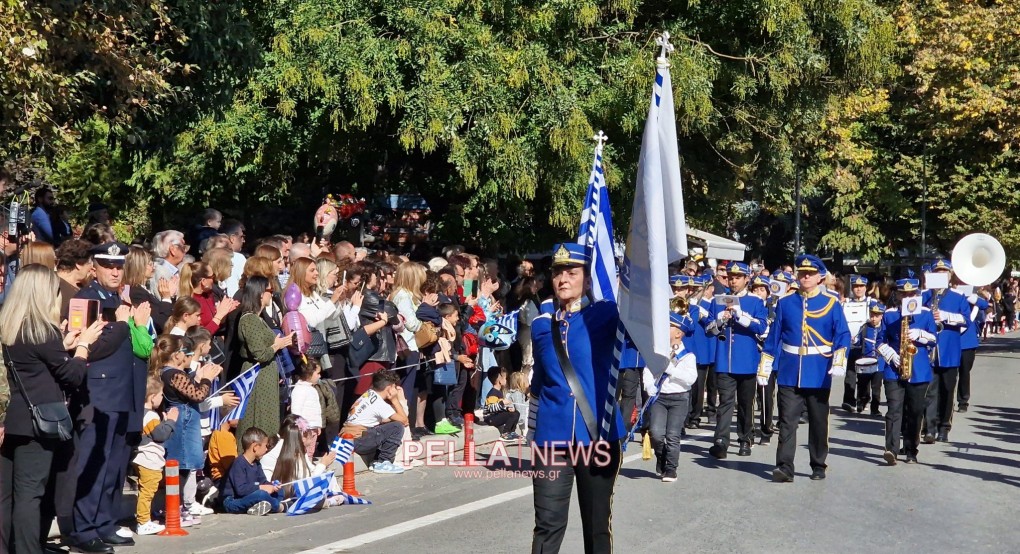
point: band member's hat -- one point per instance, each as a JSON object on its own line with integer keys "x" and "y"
{"x": 878, "y": 308}
{"x": 569, "y": 253}
{"x": 738, "y": 268}
{"x": 110, "y": 253}
{"x": 682, "y": 322}
{"x": 941, "y": 264}
{"x": 676, "y": 280}
{"x": 907, "y": 285}
{"x": 760, "y": 281}
{"x": 925, "y": 268}
{"x": 856, "y": 280}
{"x": 809, "y": 262}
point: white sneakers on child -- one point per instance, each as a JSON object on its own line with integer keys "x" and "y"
{"x": 387, "y": 467}
{"x": 150, "y": 528}
{"x": 260, "y": 508}
{"x": 200, "y": 510}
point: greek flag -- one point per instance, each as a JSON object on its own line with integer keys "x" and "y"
{"x": 311, "y": 493}
{"x": 657, "y": 236}
{"x": 344, "y": 449}
{"x": 509, "y": 321}
{"x": 241, "y": 386}
{"x": 348, "y": 499}
{"x": 596, "y": 231}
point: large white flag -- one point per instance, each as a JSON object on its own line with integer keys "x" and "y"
{"x": 658, "y": 233}
{"x": 596, "y": 230}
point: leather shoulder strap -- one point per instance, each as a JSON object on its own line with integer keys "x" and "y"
{"x": 575, "y": 385}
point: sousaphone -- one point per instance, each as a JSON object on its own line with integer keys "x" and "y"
{"x": 978, "y": 259}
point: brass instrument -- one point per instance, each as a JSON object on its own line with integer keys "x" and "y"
{"x": 679, "y": 305}
{"x": 907, "y": 350}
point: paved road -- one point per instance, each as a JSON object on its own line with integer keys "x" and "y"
{"x": 960, "y": 498}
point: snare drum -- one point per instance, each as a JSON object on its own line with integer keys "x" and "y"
{"x": 867, "y": 366}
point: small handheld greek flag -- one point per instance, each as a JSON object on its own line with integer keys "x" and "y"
{"x": 344, "y": 449}
{"x": 241, "y": 387}
{"x": 348, "y": 499}
{"x": 311, "y": 493}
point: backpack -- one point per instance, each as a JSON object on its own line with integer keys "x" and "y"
{"x": 327, "y": 401}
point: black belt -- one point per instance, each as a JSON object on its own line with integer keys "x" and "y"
{"x": 580, "y": 398}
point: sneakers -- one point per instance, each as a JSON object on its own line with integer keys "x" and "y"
{"x": 418, "y": 432}
{"x": 150, "y": 528}
{"x": 188, "y": 519}
{"x": 510, "y": 437}
{"x": 456, "y": 420}
{"x": 669, "y": 476}
{"x": 445, "y": 427}
{"x": 124, "y": 532}
{"x": 260, "y": 508}
{"x": 200, "y": 510}
{"x": 387, "y": 467}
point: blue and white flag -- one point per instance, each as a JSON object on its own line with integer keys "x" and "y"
{"x": 311, "y": 493}
{"x": 352, "y": 500}
{"x": 596, "y": 231}
{"x": 241, "y": 386}
{"x": 657, "y": 236}
{"x": 509, "y": 320}
{"x": 344, "y": 449}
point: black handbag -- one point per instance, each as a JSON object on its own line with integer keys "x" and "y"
{"x": 317, "y": 346}
{"x": 50, "y": 420}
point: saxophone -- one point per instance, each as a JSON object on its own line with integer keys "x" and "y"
{"x": 907, "y": 350}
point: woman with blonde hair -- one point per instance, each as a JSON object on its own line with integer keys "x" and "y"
{"x": 38, "y": 368}
{"x": 273, "y": 254}
{"x": 407, "y": 296}
{"x": 220, "y": 262}
{"x": 139, "y": 267}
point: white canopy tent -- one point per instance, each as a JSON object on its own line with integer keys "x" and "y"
{"x": 717, "y": 247}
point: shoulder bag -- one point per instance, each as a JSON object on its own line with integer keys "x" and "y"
{"x": 50, "y": 420}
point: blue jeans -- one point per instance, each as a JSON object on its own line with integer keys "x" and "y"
{"x": 666, "y": 422}
{"x": 240, "y": 505}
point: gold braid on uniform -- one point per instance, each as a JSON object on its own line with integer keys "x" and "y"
{"x": 810, "y": 337}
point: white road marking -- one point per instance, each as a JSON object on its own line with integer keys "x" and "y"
{"x": 425, "y": 521}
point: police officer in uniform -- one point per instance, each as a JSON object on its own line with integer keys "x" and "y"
{"x": 573, "y": 350}
{"x": 952, "y": 317}
{"x": 109, "y": 411}
{"x": 905, "y": 397}
{"x": 737, "y": 329}
{"x": 808, "y": 346}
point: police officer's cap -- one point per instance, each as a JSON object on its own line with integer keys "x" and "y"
{"x": 112, "y": 252}
{"x": 856, "y": 280}
{"x": 569, "y": 253}
{"x": 810, "y": 262}
{"x": 907, "y": 285}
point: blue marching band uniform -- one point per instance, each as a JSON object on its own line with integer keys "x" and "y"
{"x": 905, "y": 397}
{"x": 736, "y": 329}
{"x": 953, "y": 312}
{"x": 865, "y": 344}
{"x": 851, "y": 389}
{"x": 807, "y": 346}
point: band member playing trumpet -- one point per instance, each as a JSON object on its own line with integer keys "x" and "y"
{"x": 952, "y": 317}
{"x": 736, "y": 327}
{"x": 808, "y": 346}
{"x": 905, "y": 346}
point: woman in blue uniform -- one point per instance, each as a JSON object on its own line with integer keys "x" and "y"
{"x": 573, "y": 349}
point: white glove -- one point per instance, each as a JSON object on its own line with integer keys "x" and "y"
{"x": 895, "y": 360}
{"x": 736, "y": 311}
{"x": 914, "y": 334}
{"x": 764, "y": 370}
{"x": 722, "y": 316}
{"x": 838, "y": 370}
{"x": 972, "y": 299}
